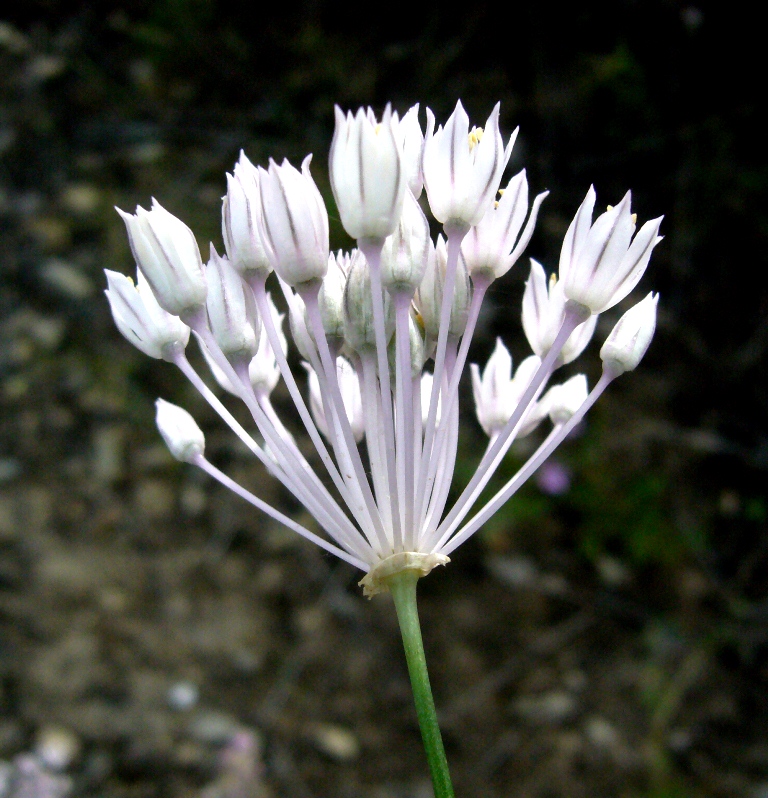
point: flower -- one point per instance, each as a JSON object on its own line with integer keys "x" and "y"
{"x": 295, "y": 222}
{"x": 497, "y": 393}
{"x": 629, "y": 340}
{"x": 141, "y": 320}
{"x": 494, "y": 245}
{"x": 166, "y": 252}
{"x": 601, "y": 263}
{"x": 180, "y": 431}
{"x": 462, "y": 168}
{"x": 228, "y": 315}
{"x": 391, "y": 511}
{"x": 350, "y": 392}
{"x": 543, "y": 315}
{"x": 366, "y": 173}
{"x": 241, "y": 220}
{"x": 411, "y": 140}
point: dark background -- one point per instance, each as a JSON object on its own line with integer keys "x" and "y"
{"x": 607, "y": 640}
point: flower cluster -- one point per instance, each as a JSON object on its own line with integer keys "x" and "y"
{"x": 368, "y": 322}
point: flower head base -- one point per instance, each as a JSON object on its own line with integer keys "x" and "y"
{"x": 367, "y": 323}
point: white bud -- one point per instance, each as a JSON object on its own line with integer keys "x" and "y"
{"x": 462, "y": 168}
{"x": 263, "y": 369}
{"x": 630, "y": 338}
{"x": 331, "y": 297}
{"x": 366, "y": 173}
{"x": 426, "y": 396}
{"x": 543, "y": 315}
{"x": 494, "y": 245}
{"x": 415, "y": 347}
{"x": 141, "y": 320}
{"x": 497, "y": 393}
{"x": 562, "y": 401}
{"x": 429, "y": 298}
{"x": 180, "y": 431}
{"x": 166, "y": 252}
{"x": 411, "y": 138}
{"x": 228, "y": 316}
{"x": 349, "y": 386}
{"x": 601, "y": 263}
{"x": 405, "y": 254}
{"x": 241, "y": 221}
{"x": 359, "y": 328}
{"x": 295, "y": 222}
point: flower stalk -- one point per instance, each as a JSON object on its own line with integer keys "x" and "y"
{"x": 403, "y": 588}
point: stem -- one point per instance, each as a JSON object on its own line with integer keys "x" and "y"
{"x": 403, "y": 588}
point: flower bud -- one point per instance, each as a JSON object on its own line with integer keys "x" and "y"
{"x": 497, "y": 393}
{"x": 543, "y": 314}
{"x": 429, "y": 298}
{"x": 141, "y": 320}
{"x": 359, "y": 327}
{"x": 301, "y": 331}
{"x": 462, "y": 168}
{"x": 166, "y": 252}
{"x": 180, "y": 431}
{"x": 562, "y": 401}
{"x": 241, "y": 221}
{"x": 263, "y": 370}
{"x": 295, "y": 222}
{"x": 366, "y": 173}
{"x": 227, "y": 314}
{"x": 405, "y": 253}
{"x": 411, "y": 139}
{"x": 601, "y": 263}
{"x": 630, "y": 338}
{"x": 416, "y": 349}
{"x": 331, "y": 298}
{"x": 426, "y": 396}
{"x": 349, "y": 386}
{"x": 494, "y": 245}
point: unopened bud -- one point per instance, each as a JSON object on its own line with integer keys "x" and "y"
{"x": 180, "y": 431}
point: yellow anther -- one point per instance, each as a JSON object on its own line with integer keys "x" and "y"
{"x": 501, "y": 192}
{"x": 634, "y": 218}
{"x": 495, "y": 204}
{"x": 552, "y": 281}
{"x": 609, "y": 208}
{"x": 474, "y": 137}
{"x": 377, "y": 129}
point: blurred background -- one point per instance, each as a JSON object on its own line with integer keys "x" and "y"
{"x": 604, "y": 635}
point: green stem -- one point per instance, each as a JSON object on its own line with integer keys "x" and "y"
{"x": 403, "y": 588}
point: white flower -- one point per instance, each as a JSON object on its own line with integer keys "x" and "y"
{"x": 331, "y": 297}
{"x": 411, "y": 139}
{"x": 366, "y": 173}
{"x": 426, "y": 394}
{"x": 562, "y": 401}
{"x": 231, "y": 324}
{"x": 405, "y": 253}
{"x": 263, "y": 369}
{"x": 180, "y": 431}
{"x": 241, "y": 219}
{"x": 494, "y": 245}
{"x": 166, "y": 252}
{"x": 141, "y": 320}
{"x": 429, "y": 298}
{"x": 349, "y": 386}
{"x": 497, "y": 393}
{"x": 295, "y": 222}
{"x": 601, "y": 263}
{"x": 543, "y": 314}
{"x": 462, "y": 168}
{"x": 630, "y": 338}
{"x": 359, "y": 329}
